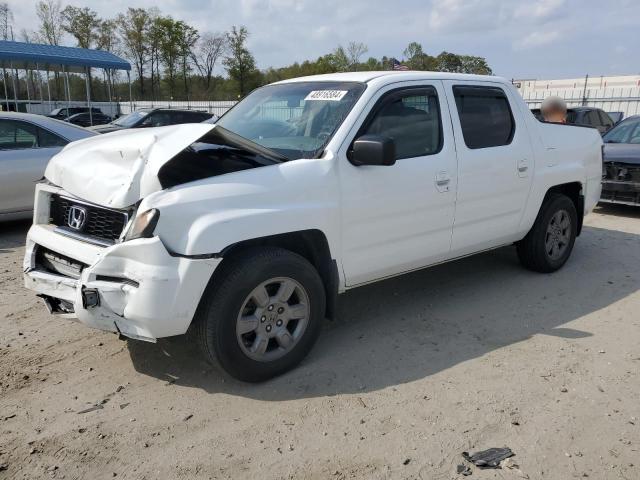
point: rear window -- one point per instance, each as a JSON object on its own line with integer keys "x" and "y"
{"x": 485, "y": 116}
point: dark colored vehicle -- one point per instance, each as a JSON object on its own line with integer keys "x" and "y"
{"x": 621, "y": 169}
{"x": 585, "y": 116}
{"x": 86, "y": 120}
{"x": 616, "y": 117}
{"x": 155, "y": 117}
{"x": 66, "y": 112}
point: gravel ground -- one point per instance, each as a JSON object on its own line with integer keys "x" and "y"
{"x": 474, "y": 354}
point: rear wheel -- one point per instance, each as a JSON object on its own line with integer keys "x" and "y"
{"x": 261, "y": 314}
{"x": 549, "y": 243}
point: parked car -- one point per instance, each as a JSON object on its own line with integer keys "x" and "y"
{"x": 584, "y": 116}
{"x": 621, "y": 175}
{"x": 27, "y": 142}
{"x": 153, "y": 117}
{"x": 65, "y": 112}
{"x": 247, "y": 230}
{"x": 86, "y": 120}
{"x": 616, "y": 117}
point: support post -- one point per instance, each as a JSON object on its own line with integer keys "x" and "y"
{"x": 86, "y": 83}
{"x": 48, "y": 88}
{"x": 130, "y": 95}
{"x": 15, "y": 92}
{"x": 4, "y": 82}
{"x": 108, "y": 72}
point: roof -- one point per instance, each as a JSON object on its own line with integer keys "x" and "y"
{"x": 67, "y": 130}
{"x": 52, "y": 57}
{"x": 395, "y": 76}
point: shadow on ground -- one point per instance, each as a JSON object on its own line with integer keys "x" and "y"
{"x": 413, "y": 326}
{"x": 14, "y": 234}
{"x": 627, "y": 211}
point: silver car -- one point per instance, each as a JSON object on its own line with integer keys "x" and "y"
{"x": 27, "y": 142}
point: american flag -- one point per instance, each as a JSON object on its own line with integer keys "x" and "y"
{"x": 396, "y": 65}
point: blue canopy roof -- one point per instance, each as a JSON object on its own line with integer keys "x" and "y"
{"x": 51, "y": 57}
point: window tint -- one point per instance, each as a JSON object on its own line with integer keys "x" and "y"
{"x": 485, "y": 116}
{"x": 625, "y": 132}
{"x": 47, "y": 139}
{"x": 17, "y": 135}
{"x": 593, "y": 118}
{"x": 412, "y": 119}
{"x": 605, "y": 119}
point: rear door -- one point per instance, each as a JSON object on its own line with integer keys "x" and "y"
{"x": 397, "y": 218}
{"x": 495, "y": 159}
{"x": 25, "y": 150}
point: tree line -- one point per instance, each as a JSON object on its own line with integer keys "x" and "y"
{"x": 173, "y": 60}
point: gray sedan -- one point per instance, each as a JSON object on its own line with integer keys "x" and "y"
{"x": 27, "y": 142}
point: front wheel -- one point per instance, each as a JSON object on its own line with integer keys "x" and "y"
{"x": 261, "y": 314}
{"x": 549, "y": 243}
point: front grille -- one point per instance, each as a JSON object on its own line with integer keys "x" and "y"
{"x": 95, "y": 222}
{"x": 621, "y": 172}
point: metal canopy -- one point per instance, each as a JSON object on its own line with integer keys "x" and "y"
{"x": 34, "y": 56}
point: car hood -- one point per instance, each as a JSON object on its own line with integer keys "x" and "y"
{"x": 106, "y": 128}
{"x": 622, "y": 153}
{"x": 118, "y": 169}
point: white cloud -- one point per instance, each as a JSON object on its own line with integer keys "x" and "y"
{"x": 537, "y": 39}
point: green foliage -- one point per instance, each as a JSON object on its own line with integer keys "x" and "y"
{"x": 179, "y": 62}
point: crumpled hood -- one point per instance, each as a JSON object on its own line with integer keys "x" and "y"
{"x": 119, "y": 168}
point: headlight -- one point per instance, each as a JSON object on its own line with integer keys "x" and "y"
{"x": 143, "y": 225}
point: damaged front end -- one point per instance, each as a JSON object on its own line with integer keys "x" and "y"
{"x": 136, "y": 288}
{"x": 621, "y": 183}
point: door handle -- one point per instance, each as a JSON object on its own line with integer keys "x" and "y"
{"x": 442, "y": 181}
{"x": 523, "y": 166}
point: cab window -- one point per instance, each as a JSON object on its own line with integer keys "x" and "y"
{"x": 411, "y": 118}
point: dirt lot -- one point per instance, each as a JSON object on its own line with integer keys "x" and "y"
{"x": 474, "y": 354}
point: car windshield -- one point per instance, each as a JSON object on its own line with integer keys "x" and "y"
{"x": 131, "y": 119}
{"x": 626, "y": 132}
{"x": 296, "y": 120}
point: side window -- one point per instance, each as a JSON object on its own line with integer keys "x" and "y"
{"x": 412, "y": 119}
{"x": 605, "y": 119}
{"x": 594, "y": 118}
{"x": 485, "y": 116}
{"x": 17, "y": 135}
{"x": 47, "y": 139}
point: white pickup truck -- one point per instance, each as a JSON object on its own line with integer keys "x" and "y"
{"x": 245, "y": 232}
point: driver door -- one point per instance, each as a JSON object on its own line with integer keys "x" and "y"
{"x": 400, "y": 217}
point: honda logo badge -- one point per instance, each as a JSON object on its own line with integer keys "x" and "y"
{"x": 76, "y": 217}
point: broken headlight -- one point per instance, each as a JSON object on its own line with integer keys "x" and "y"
{"x": 143, "y": 225}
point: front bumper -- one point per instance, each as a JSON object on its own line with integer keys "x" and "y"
{"x": 621, "y": 192}
{"x": 140, "y": 290}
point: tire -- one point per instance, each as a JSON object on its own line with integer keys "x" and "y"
{"x": 537, "y": 251}
{"x": 241, "y": 321}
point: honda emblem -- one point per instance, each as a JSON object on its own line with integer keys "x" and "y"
{"x": 76, "y": 217}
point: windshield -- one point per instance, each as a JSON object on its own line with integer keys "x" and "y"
{"x": 131, "y": 119}
{"x": 295, "y": 120}
{"x": 625, "y": 132}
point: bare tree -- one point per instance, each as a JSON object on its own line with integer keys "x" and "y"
{"x": 209, "y": 49}
{"x": 49, "y": 12}
{"x": 355, "y": 51}
{"x": 6, "y": 20}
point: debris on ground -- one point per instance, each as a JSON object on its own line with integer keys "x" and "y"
{"x": 463, "y": 470}
{"x": 93, "y": 408}
{"x": 510, "y": 464}
{"x": 489, "y": 458}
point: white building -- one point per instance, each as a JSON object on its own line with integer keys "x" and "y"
{"x": 612, "y": 94}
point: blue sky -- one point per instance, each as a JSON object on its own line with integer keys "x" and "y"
{"x": 519, "y": 38}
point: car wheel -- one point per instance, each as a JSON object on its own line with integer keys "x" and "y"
{"x": 261, "y": 314}
{"x": 550, "y": 241}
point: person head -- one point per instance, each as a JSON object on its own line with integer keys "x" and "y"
{"x": 554, "y": 109}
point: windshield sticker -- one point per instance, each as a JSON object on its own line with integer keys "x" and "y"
{"x": 330, "y": 95}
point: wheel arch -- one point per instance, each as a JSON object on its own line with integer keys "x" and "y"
{"x": 309, "y": 244}
{"x": 573, "y": 190}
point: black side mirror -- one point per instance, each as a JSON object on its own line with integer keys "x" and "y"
{"x": 373, "y": 150}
